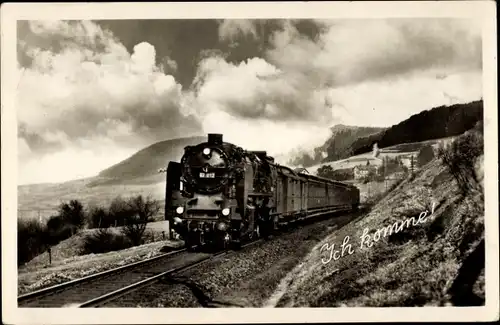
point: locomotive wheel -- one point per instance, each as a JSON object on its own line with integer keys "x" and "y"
{"x": 257, "y": 231}
{"x": 265, "y": 230}
{"x": 189, "y": 243}
{"x": 236, "y": 245}
{"x": 220, "y": 243}
{"x": 201, "y": 238}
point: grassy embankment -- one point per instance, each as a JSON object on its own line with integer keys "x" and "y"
{"x": 437, "y": 262}
{"x": 68, "y": 264}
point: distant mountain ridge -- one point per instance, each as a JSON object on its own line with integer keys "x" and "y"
{"x": 143, "y": 166}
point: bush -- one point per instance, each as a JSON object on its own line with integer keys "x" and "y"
{"x": 34, "y": 237}
{"x": 104, "y": 240}
{"x": 58, "y": 230}
{"x": 120, "y": 211}
{"x": 325, "y": 171}
{"x": 99, "y": 217}
{"x": 460, "y": 157}
{"x": 143, "y": 211}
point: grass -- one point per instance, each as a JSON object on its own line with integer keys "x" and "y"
{"x": 415, "y": 267}
{"x": 38, "y": 274}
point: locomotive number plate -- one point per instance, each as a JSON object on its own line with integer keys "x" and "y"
{"x": 207, "y": 175}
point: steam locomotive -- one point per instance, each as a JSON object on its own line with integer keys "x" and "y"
{"x": 221, "y": 195}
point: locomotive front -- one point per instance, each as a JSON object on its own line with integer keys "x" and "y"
{"x": 208, "y": 187}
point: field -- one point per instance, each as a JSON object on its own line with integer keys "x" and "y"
{"x": 44, "y": 199}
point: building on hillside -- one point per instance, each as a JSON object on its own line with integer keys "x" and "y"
{"x": 406, "y": 160}
{"x": 362, "y": 171}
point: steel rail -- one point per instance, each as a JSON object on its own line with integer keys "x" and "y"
{"x": 98, "y": 301}
{"x": 62, "y": 286}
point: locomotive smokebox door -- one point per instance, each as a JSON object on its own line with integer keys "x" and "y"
{"x": 215, "y": 138}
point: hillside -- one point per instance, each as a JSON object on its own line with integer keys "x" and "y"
{"x": 393, "y": 151}
{"x": 436, "y": 123}
{"x": 143, "y": 166}
{"x": 437, "y": 262}
{"x": 338, "y": 146}
{"x": 439, "y": 122}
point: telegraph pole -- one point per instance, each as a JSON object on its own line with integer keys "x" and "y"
{"x": 384, "y": 165}
{"x": 412, "y": 165}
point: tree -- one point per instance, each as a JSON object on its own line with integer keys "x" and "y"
{"x": 425, "y": 155}
{"x": 58, "y": 229}
{"x": 460, "y": 158}
{"x": 98, "y": 217}
{"x": 343, "y": 174}
{"x": 119, "y": 211}
{"x": 143, "y": 211}
{"x": 72, "y": 214}
{"x": 31, "y": 239}
{"x": 325, "y": 171}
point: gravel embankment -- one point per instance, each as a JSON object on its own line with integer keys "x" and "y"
{"x": 246, "y": 278}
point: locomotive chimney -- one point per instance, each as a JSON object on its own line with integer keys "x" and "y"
{"x": 214, "y": 138}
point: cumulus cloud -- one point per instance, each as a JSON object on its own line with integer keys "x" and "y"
{"x": 230, "y": 29}
{"x": 91, "y": 86}
{"x": 256, "y": 89}
{"x": 388, "y": 102}
{"x": 353, "y": 51}
{"x": 83, "y": 94}
{"x": 81, "y": 86}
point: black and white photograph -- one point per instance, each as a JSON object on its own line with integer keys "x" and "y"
{"x": 323, "y": 160}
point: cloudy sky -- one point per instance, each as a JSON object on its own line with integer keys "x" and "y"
{"x": 91, "y": 93}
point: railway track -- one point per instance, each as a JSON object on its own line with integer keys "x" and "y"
{"x": 101, "y": 301}
{"x": 101, "y": 288}
{"x": 92, "y": 286}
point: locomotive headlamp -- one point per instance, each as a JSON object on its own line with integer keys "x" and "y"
{"x": 222, "y": 226}
{"x": 206, "y": 151}
{"x": 225, "y": 211}
{"x": 179, "y": 210}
